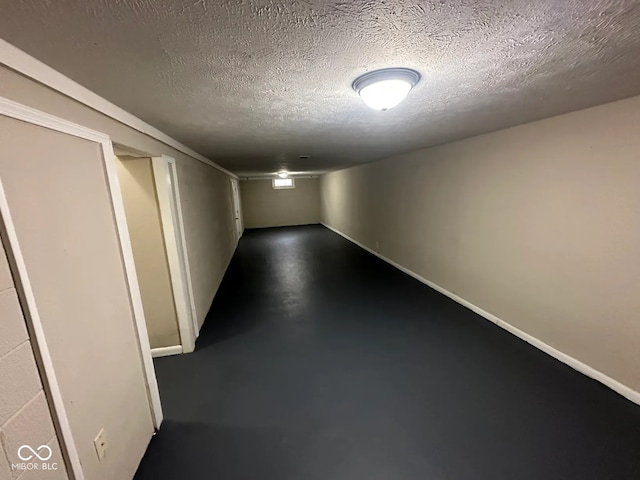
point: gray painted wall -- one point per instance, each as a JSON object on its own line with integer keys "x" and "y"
{"x": 210, "y": 238}
{"x": 537, "y": 224}
{"x": 205, "y": 191}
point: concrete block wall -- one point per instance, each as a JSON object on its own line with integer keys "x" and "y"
{"x": 25, "y": 418}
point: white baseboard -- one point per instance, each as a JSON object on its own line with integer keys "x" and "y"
{"x": 583, "y": 368}
{"x": 166, "y": 351}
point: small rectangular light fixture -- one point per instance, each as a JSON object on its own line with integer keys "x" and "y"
{"x": 283, "y": 183}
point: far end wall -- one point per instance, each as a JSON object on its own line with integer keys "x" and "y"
{"x": 537, "y": 224}
{"x": 263, "y": 206}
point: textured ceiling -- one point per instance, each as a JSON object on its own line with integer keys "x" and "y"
{"x": 254, "y": 84}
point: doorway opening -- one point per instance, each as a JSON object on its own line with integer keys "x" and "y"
{"x": 151, "y": 198}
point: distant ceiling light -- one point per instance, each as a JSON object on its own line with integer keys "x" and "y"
{"x": 386, "y": 88}
{"x": 283, "y": 174}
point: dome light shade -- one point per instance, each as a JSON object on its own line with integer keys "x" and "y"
{"x": 385, "y": 94}
{"x": 385, "y": 89}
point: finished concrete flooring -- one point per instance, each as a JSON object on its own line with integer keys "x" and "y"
{"x": 318, "y": 361}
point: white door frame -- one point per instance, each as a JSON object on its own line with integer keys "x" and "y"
{"x": 237, "y": 207}
{"x": 11, "y": 109}
{"x": 165, "y": 175}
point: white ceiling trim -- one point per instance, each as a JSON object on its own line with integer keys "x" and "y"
{"x": 31, "y": 67}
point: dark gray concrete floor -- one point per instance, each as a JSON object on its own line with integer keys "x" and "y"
{"x": 320, "y": 362}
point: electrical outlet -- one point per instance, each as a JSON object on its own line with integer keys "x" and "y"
{"x": 101, "y": 444}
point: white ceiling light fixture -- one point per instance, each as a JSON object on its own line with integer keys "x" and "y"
{"x": 283, "y": 174}
{"x": 386, "y": 88}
